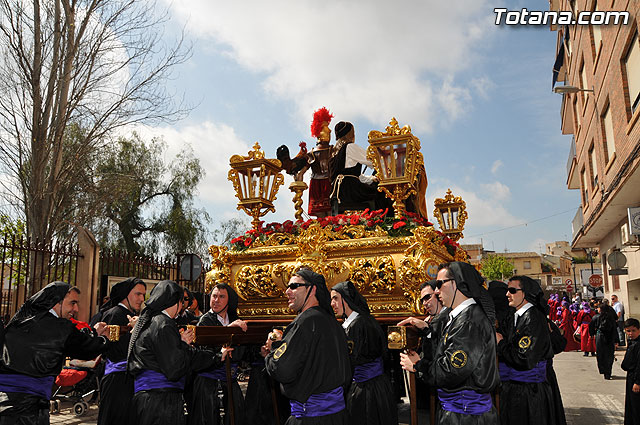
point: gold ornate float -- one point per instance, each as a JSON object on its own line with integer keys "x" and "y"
{"x": 387, "y": 257}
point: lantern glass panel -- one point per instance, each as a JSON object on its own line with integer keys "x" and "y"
{"x": 454, "y": 218}
{"x": 445, "y": 218}
{"x": 400, "y": 157}
{"x": 385, "y": 153}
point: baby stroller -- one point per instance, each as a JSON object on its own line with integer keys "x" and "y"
{"x": 76, "y": 383}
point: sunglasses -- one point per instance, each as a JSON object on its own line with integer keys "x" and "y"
{"x": 185, "y": 299}
{"x": 296, "y": 285}
{"x": 425, "y": 298}
{"x": 439, "y": 283}
{"x": 514, "y": 290}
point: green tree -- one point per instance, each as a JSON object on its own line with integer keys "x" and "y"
{"x": 229, "y": 229}
{"x": 150, "y": 204}
{"x": 496, "y": 267}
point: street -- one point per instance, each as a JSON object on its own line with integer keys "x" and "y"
{"x": 588, "y": 398}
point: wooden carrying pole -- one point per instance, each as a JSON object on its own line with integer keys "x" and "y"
{"x": 232, "y": 412}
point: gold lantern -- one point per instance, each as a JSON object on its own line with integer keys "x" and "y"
{"x": 451, "y": 213}
{"x": 256, "y": 181}
{"x": 396, "y": 157}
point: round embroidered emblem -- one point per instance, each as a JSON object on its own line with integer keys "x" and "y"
{"x": 280, "y": 351}
{"x": 458, "y": 359}
{"x": 350, "y": 344}
{"x": 524, "y": 342}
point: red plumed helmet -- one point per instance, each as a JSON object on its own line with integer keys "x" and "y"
{"x": 320, "y": 116}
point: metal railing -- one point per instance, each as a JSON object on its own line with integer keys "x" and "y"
{"x": 29, "y": 265}
{"x": 576, "y": 224}
{"x": 572, "y": 155}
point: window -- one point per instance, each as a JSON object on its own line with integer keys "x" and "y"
{"x": 632, "y": 68}
{"x": 593, "y": 170}
{"x": 607, "y": 135}
{"x": 583, "y": 82}
{"x": 527, "y": 265}
{"x": 585, "y": 191}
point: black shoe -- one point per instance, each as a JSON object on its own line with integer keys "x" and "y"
{"x": 586, "y": 354}
{"x": 608, "y": 378}
{"x": 593, "y": 354}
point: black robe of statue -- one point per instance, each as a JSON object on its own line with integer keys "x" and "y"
{"x": 159, "y": 348}
{"x": 116, "y": 389}
{"x": 347, "y": 189}
{"x": 465, "y": 359}
{"x": 38, "y": 348}
{"x": 203, "y": 394}
{"x": 631, "y": 365}
{"x": 370, "y": 402}
{"x": 311, "y": 358}
{"x": 523, "y": 347}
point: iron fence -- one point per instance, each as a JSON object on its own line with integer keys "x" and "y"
{"x": 29, "y": 265}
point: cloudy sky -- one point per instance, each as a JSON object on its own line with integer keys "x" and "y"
{"x": 477, "y": 95}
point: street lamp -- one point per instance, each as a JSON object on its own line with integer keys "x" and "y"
{"x": 570, "y": 89}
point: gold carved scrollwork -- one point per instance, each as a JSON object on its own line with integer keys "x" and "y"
{"x": 220, "y": 270}
{"x": 256, "y": 281}
{"x": 393, "y": 129}
{"x": 418, "y": 258}
{"x": 373, "y": 275}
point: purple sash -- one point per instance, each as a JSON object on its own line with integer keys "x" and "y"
{"x": 537, "y": 374}
{"x": 319, "y": 404}
{"x": 111, "y": 367}
{"x": 364, "y": 372}
{"x": 16, "y": 383}
{"x": 152, "y": 380}
{"x": 504, "y": 371}
{"x": 466, "y": 402}
{"x": 220, "y": 374}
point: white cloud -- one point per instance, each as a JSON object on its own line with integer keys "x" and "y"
{"x": 497, "y": 164}
{"x": 497, "y": 191}
{"x": 538, "y": 245}
{"x": 361, "y": 59}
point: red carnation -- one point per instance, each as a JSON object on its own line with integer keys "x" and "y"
{"x": 236, "y": 240}
{"x": 248, "y": 241}
{"x": 354, "y": 220}
{"x": 399, "y": 224}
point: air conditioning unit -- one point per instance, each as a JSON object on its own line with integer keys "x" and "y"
{"x": 627, "y": 238}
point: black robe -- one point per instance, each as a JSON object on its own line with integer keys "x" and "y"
{"x": 370, "y": 402}
{"x": 525, "y": 345}
{"x": 311, "y": 358}
{"x": 604, "y": 327}
{"x": 203, "y": 394}
{"x": 116, "y": 388}
{"x": 38, "y": 348}
{"x": 631, "y": 365}
{"x": 465, "y": 359}
{"x": 159, "y": 348}
{"x": 558, "y": 343}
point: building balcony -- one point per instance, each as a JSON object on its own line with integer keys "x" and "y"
{"x": 573, "y": 176}
{"x": 576, "y": 225}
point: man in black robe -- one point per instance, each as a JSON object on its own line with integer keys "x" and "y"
{"x": 631, "y": 365}
{"x": 370, "y": 397}
{"x": 116, "y": 387}
{"x": 311, "y": 360}
{"x": 160, "y": 358}
{"x": 463, "y": 368}
{"x": 524, "y": 351}
{"x": 604, "y": 327}
{"x": 186, "y": 316}
{"x": 36, "y": 341}
{"x": 203, "y": 395}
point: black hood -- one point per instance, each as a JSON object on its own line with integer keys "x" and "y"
{"x": 352, "y": 297}
{"x": 471, "y": 284}
{"x": 166, "y": 294}
{"x": 322, "y": 293}
{"x": 232, "y": 303}
{"x": 533, "y": 293}
{"x": 120, "y": 291}
{"x": 41, "y": 302}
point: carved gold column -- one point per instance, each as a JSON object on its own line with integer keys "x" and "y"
{"x": 298, "y": 188}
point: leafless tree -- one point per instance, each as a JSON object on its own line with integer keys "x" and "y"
{"x": 99, "y": 65}
{"x": 93, "y": 65}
